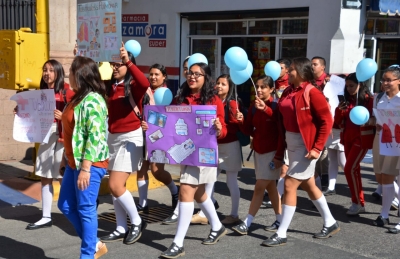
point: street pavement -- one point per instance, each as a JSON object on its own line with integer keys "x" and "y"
{"x": 357, "y": 238}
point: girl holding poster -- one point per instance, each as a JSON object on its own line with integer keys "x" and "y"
{"x": 355, "y": 139}
{"x": 50, "y": 154}
{"x": 262, "y": 124}
{"x": 198, "y": 90}
{"x": 125, "y": 141}
{"x": 385, "y": 166}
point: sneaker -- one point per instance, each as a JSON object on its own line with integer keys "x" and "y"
{"x": 241, "y": 228}
{"x": 197, "y": 219}
{"x": 144, "y": 209}
{"x": 395, "y": 204}
{"x": 267, "y": 204}
{"x": 173, "y": 251}
{"x": 275, "y": 240}
{"x": 355, "y": 209}
{"x": 229, "y": 220}
{"x": 274, "y": 227}
{"x": 113, "y": 236}
{"x": 214, "y": 236}
{"x": 327, "y": 232}
{"x": 380, "y": 221}
{"x": 175, "y": 198}
{"x": 171, "y": 219}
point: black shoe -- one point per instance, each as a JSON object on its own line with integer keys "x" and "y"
{"x": 274, "y": 240}
{"x": 175, "y": 198}
{"x": 328, "y": 192}
{"x": 113, "y": 236}
{"x": 173, "y": 251}
{"x": 267, "y": 204}
{"x": 216, "y": 205}
{"x": 327, "y": 232}
{"x": 393, "y": 230}
{"x": 144, "y": 209}
{"x": 241, "y": 228}
{"x": 377, "y": 196}
{"x": 170, "y": 220}
{"x": 274, "y": 227}
{"x": 134, "y": 233}
{"x": 33, "y": 226}
{"x": 213, "y": 239}
{"x": 380, "y": 221}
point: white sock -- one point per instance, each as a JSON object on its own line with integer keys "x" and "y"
{"x": 209, "y": 210}
{"x": 387, "y": 198}
{"x": 210, "y": 191}
{"x": 185, "y": 215}
{"x": 143, "y": 186}
{"x": 281, "y": 186}
{"x": 120, "y": 216}
{"x": 248, "y": 220}
{"x": 47, "y": 201}
{"x": 323, "y": 209}
{"x": 379, "y": 189}
{"x": 176, "y": 211}
{"x": 127, "y": 202}
{"x": 172, "y": 187}
{"x": 318, "y": 182}
{"x": 333, "y": 168}
{"x": 396, "y": 190}
{"x": 287, "y": 215}
{"x": 231, "y": 181}
{"x": 278, "y": 217}
{"x": 397, "y": 226}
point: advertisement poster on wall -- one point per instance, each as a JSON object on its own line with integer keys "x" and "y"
{"x": 99, "y": 30}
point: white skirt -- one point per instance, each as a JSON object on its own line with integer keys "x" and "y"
{"x": 261, "y": 164}
{"x": 126, "y": 151}
{"x": 197, "y": 175}
{"x": 300, "y": 167}
{"x": 384, "y": 164}
{"x": 333, "y": 141}
{"x": 49, "y": 156}
{"x": 229, "y": 156}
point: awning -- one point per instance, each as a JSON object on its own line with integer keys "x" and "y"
{"x": 389, "y": 7}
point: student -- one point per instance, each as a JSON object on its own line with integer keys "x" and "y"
{"x": 262, "y": 117}
{"x": 198, "y": 90}
{"x": 306, "y": 119}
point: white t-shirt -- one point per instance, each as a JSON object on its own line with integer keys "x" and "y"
{"x": 386, "y": 103}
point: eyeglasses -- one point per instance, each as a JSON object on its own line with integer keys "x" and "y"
{"x": 383, "y": 81}
{"x": 194, "y": 74}
{"x": 116, "y": 65}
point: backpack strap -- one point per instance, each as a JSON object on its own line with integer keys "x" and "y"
{"x": 134, "y": 106}
{"x": 378, "y": 97}
{"x": 227, "y": 110}
{"x": 149, "y": 92}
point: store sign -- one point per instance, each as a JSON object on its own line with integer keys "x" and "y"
{"x": 137, "y": 25}
{"x": 351, "y": 4}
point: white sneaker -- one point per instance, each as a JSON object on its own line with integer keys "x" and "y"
{"x": 355, "y": 209}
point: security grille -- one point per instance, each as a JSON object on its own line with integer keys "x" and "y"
{"x": 15, "y": 14}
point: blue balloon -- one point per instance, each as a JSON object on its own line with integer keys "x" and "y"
{"x": 236, "y": 58}
{"x": 272, "y": 69}
{"x": 197, "y": 58}
{"x": 163, "y": 96}
{"x": 359, "y": 115}
{"x": 366, "y": 69}
{"x": 239, "y": 77}
{"x": 133, "y": 47}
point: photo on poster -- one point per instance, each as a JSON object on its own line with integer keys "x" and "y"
{"x": 155, "y": 136}
{"x": 156, "y": 118}
{"x": 206, "y": 123}
{"x": 158, "y": 156}
{"x": 199, "y": 131}
{"x": 182, "y": 151}
{"x": 181, "y": 127}
{"x": 207, "y": 155}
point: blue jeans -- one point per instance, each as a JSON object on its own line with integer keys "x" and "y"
{"x": 80, "y": 207}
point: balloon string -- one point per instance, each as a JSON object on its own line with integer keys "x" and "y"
{"x": 255, "y": 90}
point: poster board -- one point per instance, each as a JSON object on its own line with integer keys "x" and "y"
{"x": 332, "y": 89}
{"x": 389, "y": 136}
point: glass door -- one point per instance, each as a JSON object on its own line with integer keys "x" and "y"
{"x": 211, "y": 48}
{"x": 370, "y": 52}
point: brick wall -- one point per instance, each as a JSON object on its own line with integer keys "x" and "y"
{"x": 9, "y": 148}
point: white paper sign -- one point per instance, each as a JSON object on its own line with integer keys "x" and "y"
{"x": 332, "y": 89}
{"x": 35, "y": 115}
{"x": 389, "y": 136}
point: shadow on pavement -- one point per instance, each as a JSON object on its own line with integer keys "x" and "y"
{"x": 17, "y": 250}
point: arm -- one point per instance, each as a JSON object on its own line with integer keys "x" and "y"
{"x": 220, "y": 116}
{"x": 246, "y": 125}
{"x": 279, "y": 155}
{"x": 233, "y": 125}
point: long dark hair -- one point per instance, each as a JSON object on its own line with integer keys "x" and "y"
{"x": 207, "y": 92}
{"x": 162, "y": 69}
{"x": 232, "y": 87}
{"x": 363, "y": 91}
{"x": 87, "y": 78}
{"x": 59, "y": 74}
{"x": 304, "y": 69}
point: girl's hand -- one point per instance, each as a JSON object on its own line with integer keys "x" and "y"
{"x": 144, "y": 126}
{"x": 343, "y": 105}
{"x": 312, "y": 154}
{"x": 63, "y": 164}
{"x": 57, "y": 114}
{"x": 378, "y": 127}
{"x": 217, "y": 126}
{"x": 239, "y": 116}
{"x": 259, "y": 104}
{"x": 15, "y": 111}
{"x": 83, "y": 180}
{"x": 123, "y": 53}
{"x": 277, "y": 163}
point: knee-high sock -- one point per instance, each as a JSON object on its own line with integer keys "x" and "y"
{"x": 143, "y": 186}
{"x": 210, "y": 192}
{"x": 127, "y": 202}
{"x": 379, "y": 189}
{"x": 248, "y": 220}
{"x": 209, "y": 210}
{"x": 387, "y": 198}
{"x": 176, "y": 211}
{"x": 47, "y": 201}
{"x": 120, "y": 216}
{"x": 185, "y": 215}
{"x": 172, "y": 187}
{"x": 231, "y": 181}
{"x": 323, "y": 209}
{"x": 396, "y": 190}
{"x": 318, "y": 182}
{"x": 287, "y": 215}
{"x": 333, "y": 168}
{"x": 281, "y": 186}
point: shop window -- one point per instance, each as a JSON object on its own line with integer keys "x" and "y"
{"x": 263, "y": 27}
{"x": 299, "y": 26}
{"x": 387, "y": 27}
{"x": 232, "y": 28}
{"x": 369, "y": 29}
{"x": 292, "y": 48}
{"x": 202, "y": 28}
